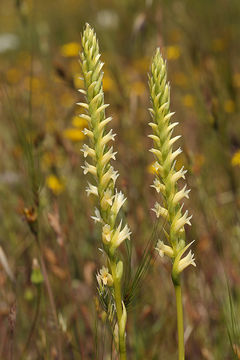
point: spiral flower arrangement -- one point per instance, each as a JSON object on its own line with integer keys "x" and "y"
{"x": 166, "y": 182}
{"x": 100, "y": 155}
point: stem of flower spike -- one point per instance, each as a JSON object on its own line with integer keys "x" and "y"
{"x": 119, "y": 310}
{"x": 178, "y": 293}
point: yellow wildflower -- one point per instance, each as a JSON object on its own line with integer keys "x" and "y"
{"x": 229, "y": 106}
{"x": 54, "y": 184}
{"x": 188, "y": 100}
{"x": 13, "y": 76}
{"x": 152, "y": 168}
{"x": 79, "y": 122}
{"x": 37, "y": 83}
{"x": 173, "y": 52}
{"x": 108, "y": 83}
{"x": 34, "y": 83}
{"x": 78, "y": 82}
{"x": 70, "y": 49}
{"x": 236, "y": 158}
{"x": 73, "y": 134}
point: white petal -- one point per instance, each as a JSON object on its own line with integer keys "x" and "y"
{"x": 84, "y": 105}
{"x": 182, "y": 221}
{"x": 101, "y": 108}
{"x": 120, "y": 235}
{"x": 88, "y": 133}
{"x": 156, "y": 153}
{"x": 108, "y": 156}
{"x": 168, "y": 116}
{"x": 160, "y": 211}
{"x": 175, "y": 154}
{"x": 89, "y": 168}
{"x": 82, "y": 91}
{"x": 91, "y": 189}
{"x": 178, "y": 175}
{"x": 97, "y": 217}
{"x": 88, "y": 151}
{"x": 109, "y": 174}
{"x": 104, "y": 122}
{"x": 118, "y": 202}
{"x": 106, "y": 138}
{"x": 153, "y": 126}
{"x": 107, "y": 199}
{"x": 180, "y": 195}
{"x": 154, "y": 137}
{"x": 158, "y": 186}
{"x": 186, "y": 261}
{"x": 174, "y": 139}
{"x": 164, "y": 249}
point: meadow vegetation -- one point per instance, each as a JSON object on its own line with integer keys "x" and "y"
{"x": 50, "y": 307}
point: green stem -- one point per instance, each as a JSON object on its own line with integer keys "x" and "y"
{"x": 118, "y": 302}
{"x": 34, "y": 323}
{"x": 178, "y": 293}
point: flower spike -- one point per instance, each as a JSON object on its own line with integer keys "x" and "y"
{"x": 167, "y": 176}
{"x": 166, "y": 183}
{"x": 100, "y": 154}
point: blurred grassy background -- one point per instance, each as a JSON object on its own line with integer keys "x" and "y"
{"x": 39, "y": 45}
